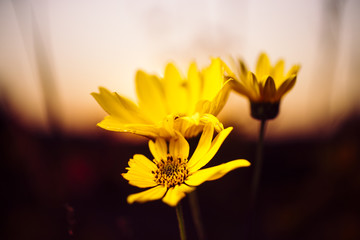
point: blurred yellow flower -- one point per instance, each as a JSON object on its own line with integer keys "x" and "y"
{"x": 268, "y": 84}
{"x": 265, "y": 87}
{"x": 171, "y": 175}
{"x": 168, "y": 104}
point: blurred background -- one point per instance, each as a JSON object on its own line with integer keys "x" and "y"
{"x": 60, "y": 174}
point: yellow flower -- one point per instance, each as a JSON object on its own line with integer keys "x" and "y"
{"x": 170, "y": 175}
{"x": 265, "y": 87}
{"x": 267, "y": 84}
{"x": 168, "y": 104}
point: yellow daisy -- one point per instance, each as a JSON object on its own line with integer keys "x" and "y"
{"x": 265, "y": 87}
{"x": 170, "y": 175}
{"x": 168, "y": 104}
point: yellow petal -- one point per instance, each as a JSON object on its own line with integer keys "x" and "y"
{"x": 107, "y": 100}
{"x": 139, "y": 181}
{"x": 167, "y": 125}
{"x": 203, "y": 145}
{"x": 148, "y": 195}
{"x": 158, "y": 149}
{"x": 196, "y": 123}
{"x": 179, "y": 147}
{"x": 114, "y": 124}
{"x": 293, "y": 71}
{"x": 175, "y": 91}
{"x": 285, "y": 87}
{"x": 253, "y": 86}
{"x": 213, "y": 77}
{"x": 194, "y": 87}
{"x": 216, "y": 172}
{"x": 139, "y": 174}
{"x": 211, "y": 119}
{"x": 183, "y": 124}
{"x": 142, "y": 162}
{"x": 214, "y": 105}
{"x": 240, "y": 88}
{"x": 228, "y": 72}
{"x": 269, "y": 89}
{"x": 215, "y": 145}
{"x": 263, "y": 67}
{"x": 243, "y": 70}
{"x": 130, "y": 112}
{"x": 218, "y": 102}
{"x": 175, "y": 194}
{"x": 151, "y": 96}
{"x": 120, "y": 107}
{"x": 278, "y": 72}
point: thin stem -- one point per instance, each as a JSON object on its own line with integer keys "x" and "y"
{"x": 195, "y": 210}
{"x": 256, "y": 179}
{"x": 180, "y": 218}
{"x": 258, "y": 163}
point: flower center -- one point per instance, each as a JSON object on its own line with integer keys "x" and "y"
{"x": 171, "y": 172}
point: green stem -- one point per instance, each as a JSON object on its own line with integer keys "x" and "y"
{"x": 180, "y": 218}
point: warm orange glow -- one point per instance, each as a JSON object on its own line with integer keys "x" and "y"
{"x": 91, "y": 44}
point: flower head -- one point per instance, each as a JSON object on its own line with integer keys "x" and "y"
{"x": 268, "y": 83}
{"x": 171, "y": 174}
{"x": 266, "y": 86}
{"x": 168, "y": 104}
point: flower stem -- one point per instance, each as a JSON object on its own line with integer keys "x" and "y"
{"x": 195, "y": 210}
{"x": 256, "y": 179}
{"x": 258, "y": 163}
{"x": 180, "y": 218}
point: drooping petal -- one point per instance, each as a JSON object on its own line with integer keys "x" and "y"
{"x": 216, "y": 172}
{"x": 215, "y": 145}
{"x": 211, "y": 119}
{"x": 151, "y": 194}
{"x": 175, "y": 194}
{"x": 192, "y": 126}
{"x": 185, "y": 123}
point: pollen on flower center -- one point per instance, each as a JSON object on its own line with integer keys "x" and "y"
{"x": 171, "y": 172}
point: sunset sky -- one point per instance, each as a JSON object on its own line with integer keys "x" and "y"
{"x": 91, "y": 43}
